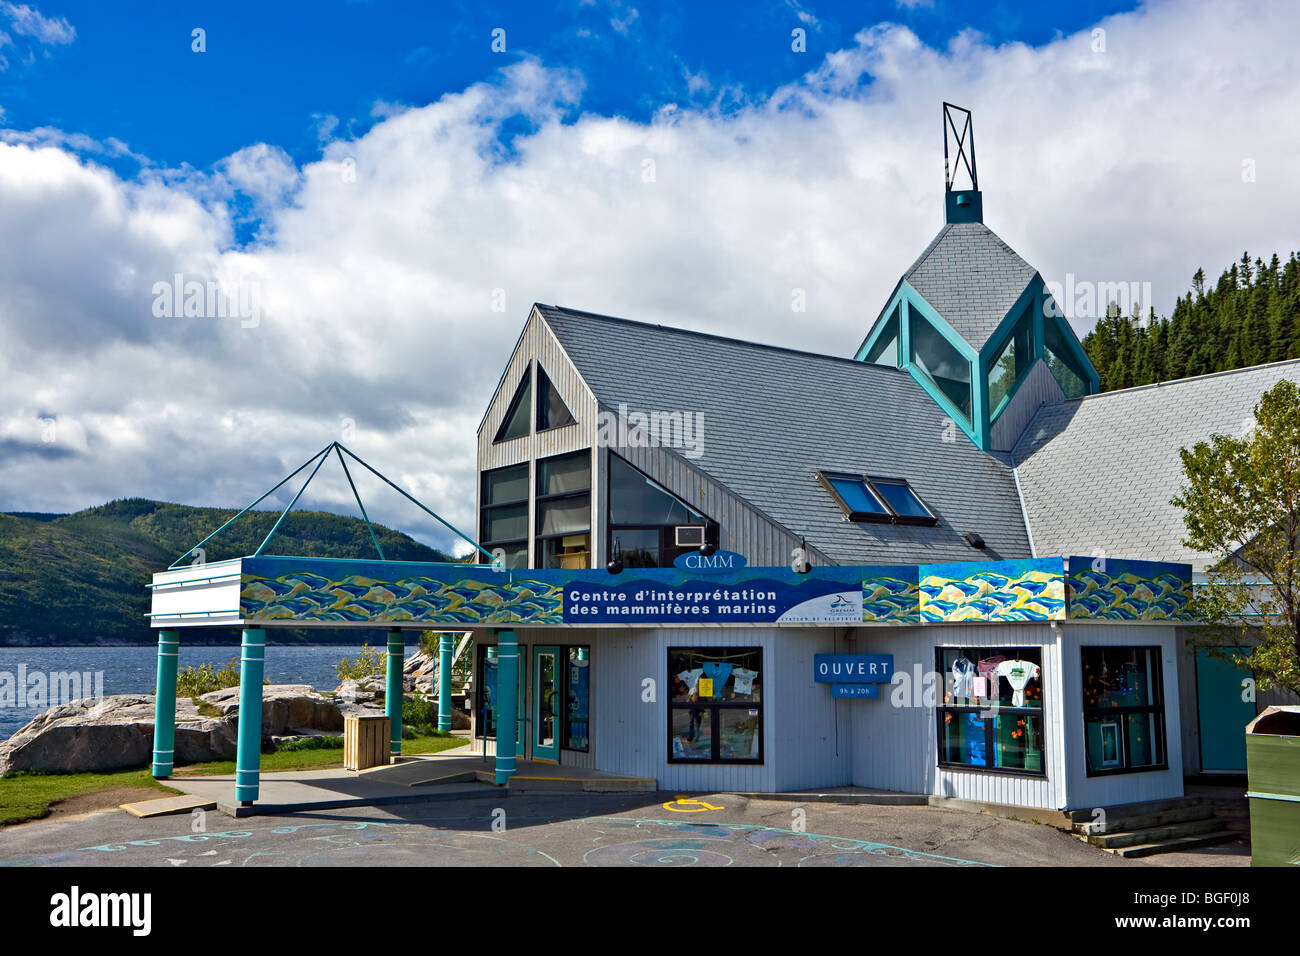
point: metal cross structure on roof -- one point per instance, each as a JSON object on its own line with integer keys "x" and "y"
{"x": 319, "y": 459}
{"x": 964, "y": 141}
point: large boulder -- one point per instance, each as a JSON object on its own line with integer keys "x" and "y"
{"x": 286, "y": 708}
{"x": 109, "y": 734}
{"x": 117, "y": 731}
{"x": 420, "y": 672}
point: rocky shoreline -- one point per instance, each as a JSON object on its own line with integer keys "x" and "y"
{"x": 116, "y": 731}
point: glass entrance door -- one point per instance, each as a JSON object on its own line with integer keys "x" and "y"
{"x": 546, "y": 704}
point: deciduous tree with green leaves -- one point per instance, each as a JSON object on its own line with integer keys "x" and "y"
{"x": 1241, "y": 503}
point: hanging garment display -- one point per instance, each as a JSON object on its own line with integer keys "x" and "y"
{"x": 718, "y": 673}
{"x": 963, "y": 676}
{"x": 691, "y": 678}
{"x": 744, "y": 680}
{"x": 1018, "y": 674}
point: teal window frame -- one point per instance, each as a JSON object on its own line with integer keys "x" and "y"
{"x": 1092, "y": 383}
{"x": 1025, "y": 324}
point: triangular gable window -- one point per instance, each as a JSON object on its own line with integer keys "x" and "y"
{"x": 551, "y": 410}
{"x": 515, "y": 424}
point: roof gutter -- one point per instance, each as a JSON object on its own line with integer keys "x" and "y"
{"x": 1029, "y": 532}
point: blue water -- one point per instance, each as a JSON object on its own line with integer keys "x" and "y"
{"x": 132, "y": 670}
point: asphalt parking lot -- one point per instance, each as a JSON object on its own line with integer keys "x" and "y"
{"x": 552, "y": 829}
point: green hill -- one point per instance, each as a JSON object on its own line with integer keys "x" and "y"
{"x": 81, "y": 578}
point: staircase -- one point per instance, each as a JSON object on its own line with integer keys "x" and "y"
{"x": 1162, "y": 826}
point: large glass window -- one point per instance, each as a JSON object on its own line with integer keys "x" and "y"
{"x": 503, "y": 518}
{"x": 885, "y": 351}
{"x": 1068, "y": 371}
{"x": 564, "y": 511}
{"x": 551, "y": 410}
{"x": 643, "y": 517}
{"x": 1012, "y": 362}
{"x": 941, "y": 362}
{"x": 992, "y": 712}
{"x": 716, "y": 711}
{"x": 515, "y": 424}
{"x": 636, "y": 500}
{"x": 1123, "y": 709}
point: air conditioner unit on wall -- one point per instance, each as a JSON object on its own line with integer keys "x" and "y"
{"x": 690, "y": 535}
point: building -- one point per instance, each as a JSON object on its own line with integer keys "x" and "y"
{"x": 965, "y": 429}
{"x": 939, "y": 564}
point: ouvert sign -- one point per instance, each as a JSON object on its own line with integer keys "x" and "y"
{"x": 853, "y": 668}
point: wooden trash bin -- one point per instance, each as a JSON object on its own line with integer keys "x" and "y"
{"x": 365, "y": 742}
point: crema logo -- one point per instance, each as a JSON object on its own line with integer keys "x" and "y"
{"x": 75, "y": 909}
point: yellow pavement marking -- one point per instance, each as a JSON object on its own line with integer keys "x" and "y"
{"x": 690, "y": 806}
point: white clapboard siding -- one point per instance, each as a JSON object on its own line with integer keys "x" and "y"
{"x": 1039, "y": 388}
{"x": 537, "y": 343}
{"x": 1085, "y": 791}
{"x": 744, "y": 529}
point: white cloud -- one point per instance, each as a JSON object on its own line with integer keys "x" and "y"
{"x": 28, "y": 21}
{"x": 377, "y": 264}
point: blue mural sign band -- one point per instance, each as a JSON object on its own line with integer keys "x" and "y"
{"x": 856, "y": 691}
{"x": 296, "y": 590}
{"x": 853, "y": 669}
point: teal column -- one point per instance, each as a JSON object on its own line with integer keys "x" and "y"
{"x": 393, "y": 691}
{"x": 164, "y": 704}
{"x": 507, "y": 696}
{"x": 444, "y": 682}
{"x": 248, "y": 754}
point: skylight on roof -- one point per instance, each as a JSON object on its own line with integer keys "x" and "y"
{"x": 863, "y": 498}
{"x": 856, "y": 496}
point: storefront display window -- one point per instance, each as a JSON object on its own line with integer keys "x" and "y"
{"x": 577, "y": 698}
{"x": 715, "y": 713}
{"x": 1123, "y": 709}
{"x": 991, "y": 716}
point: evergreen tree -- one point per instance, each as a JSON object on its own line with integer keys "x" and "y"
{"x": 1249, "y": 317}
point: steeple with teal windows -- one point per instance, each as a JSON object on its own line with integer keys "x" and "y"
{"x": 973, "y": 323}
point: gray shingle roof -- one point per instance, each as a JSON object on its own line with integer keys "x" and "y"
{"x": 1098, "y": 472}
{"x": 773, "y": 416}
{"x": 971, "y": 278}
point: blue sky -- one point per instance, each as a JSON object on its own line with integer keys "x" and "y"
{"x": 340, "y": 166}
{"x": 273, "y": 72}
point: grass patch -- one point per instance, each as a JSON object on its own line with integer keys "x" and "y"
{"x": 310, "y": 743}
{"x": 29, "y": 796}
